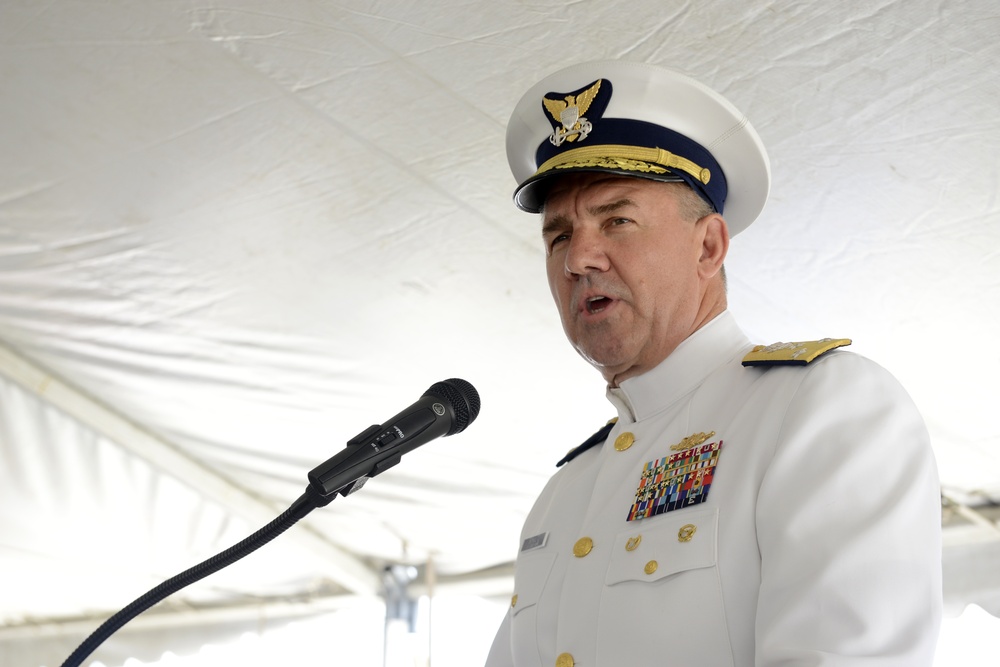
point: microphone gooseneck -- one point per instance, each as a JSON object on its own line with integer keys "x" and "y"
{"x": 448, "y": 407}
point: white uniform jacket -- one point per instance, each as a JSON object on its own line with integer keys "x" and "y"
{"x": 817, "y": 541}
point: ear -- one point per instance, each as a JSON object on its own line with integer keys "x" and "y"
{"x": 714, "y": 245}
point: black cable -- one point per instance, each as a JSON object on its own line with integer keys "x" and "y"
{"x": 306, "y": 503}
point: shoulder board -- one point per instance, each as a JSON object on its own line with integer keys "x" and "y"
{"x": 797, "y": 354}
{"x": 592, "y": 441}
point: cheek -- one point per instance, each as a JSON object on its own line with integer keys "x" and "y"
{"x": 661, "y": 287}
{"x": 552, "y": 273}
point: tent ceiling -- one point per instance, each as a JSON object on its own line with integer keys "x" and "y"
{"x": 233, "y": 235}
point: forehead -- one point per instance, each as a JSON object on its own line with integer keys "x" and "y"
{"x": 595, "y": 188}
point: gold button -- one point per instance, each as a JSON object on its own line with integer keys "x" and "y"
{"x": 624, "y": 441}
{"x": 583, "y": 547}
{"x": 651, "y": 567}
{"x": 513, "y": 601}
{"x": 565, "y": 660}
{"x": 686, "y": 532}
{"x": 633, "y": 543}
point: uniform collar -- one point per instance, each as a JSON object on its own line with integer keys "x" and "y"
{"x": 696, "y": 358}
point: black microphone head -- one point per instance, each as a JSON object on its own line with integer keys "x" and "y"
{"x": 463, "y": 398}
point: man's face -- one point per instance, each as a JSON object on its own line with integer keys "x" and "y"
{"x": 623, "y": 267}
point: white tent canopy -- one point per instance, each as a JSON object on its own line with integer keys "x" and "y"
{"x": 233, "y": 235}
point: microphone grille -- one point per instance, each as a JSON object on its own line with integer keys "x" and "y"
{"x": 464, "y": 400}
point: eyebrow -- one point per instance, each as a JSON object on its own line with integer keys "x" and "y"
{"x": 561, "y": 221}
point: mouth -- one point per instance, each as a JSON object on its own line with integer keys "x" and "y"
{"x": 597, "y": 304}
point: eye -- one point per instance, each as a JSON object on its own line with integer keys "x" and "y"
{"x": 556, "y": 239}
{"x": 618, "y": 222}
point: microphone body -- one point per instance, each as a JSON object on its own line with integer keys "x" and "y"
{"x": 444, "y": 409}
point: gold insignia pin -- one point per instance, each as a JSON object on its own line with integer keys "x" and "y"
{"x": 569, "y": 112}
{"x": 691, "y": 441}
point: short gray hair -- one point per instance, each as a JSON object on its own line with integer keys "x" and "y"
{"x": 693, "y": 207}
{"x": 690, "y": 204}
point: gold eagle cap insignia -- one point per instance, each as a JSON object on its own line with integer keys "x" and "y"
{"x": 569, "y": 113}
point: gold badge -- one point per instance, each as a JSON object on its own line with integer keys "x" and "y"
{"x": 569, "y": 111}
{"x": 691, "y": 441}
{"x": 686, "y": 532}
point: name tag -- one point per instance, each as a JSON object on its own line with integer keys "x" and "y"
{"x": 535, "y": 542}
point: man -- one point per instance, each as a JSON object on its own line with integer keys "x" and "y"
{"x": 751, "y": 505}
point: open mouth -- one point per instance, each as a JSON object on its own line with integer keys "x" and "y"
{"x": 596, "y": 304}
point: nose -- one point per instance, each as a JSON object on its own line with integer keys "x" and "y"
{"x": 586, "y": 253}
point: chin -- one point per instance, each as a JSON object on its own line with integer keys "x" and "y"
{"x": 608, "y": 364}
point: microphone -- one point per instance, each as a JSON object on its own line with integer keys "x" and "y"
{"x": 444, "y": 409}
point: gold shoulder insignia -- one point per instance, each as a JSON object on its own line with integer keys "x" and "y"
{"x": 798, "y": 354}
